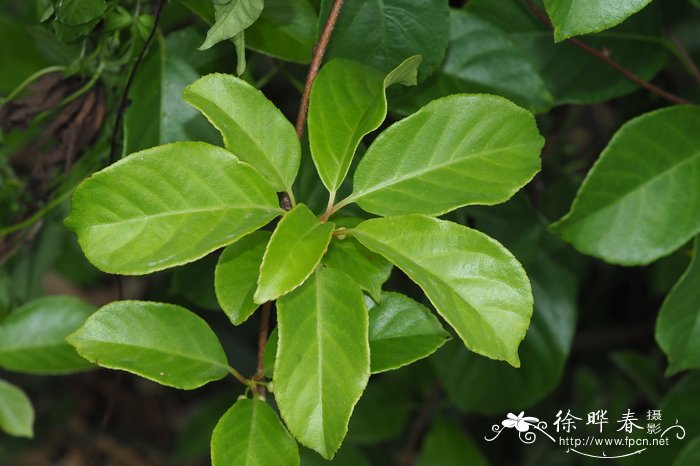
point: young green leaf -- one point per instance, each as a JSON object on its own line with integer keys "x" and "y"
{"x": 571, "y": 18}
{"x": 168, "y": 206}
{"x": 236, "y": 275}
{"x": 368, "y": 269}
{"x": 16, "y": 412}
{"x": 348, "y": 100}
{"x": 677, "y": 329}
{"x": 161, "y": 342}
{"x": 322, "y": 364}
{"x": 382, "y": 33}
{"x": 32, "y": 338}
{"x": 252, "y": 127}
{"x": 79, "y": 12}
{"x": 251, "y": 433}
{"x": 286, "y": 29}
{"x": 232, "y": 18}
{"x": 294, "y": 251}
{"x": 473, "y": 282}
{"x": 637, "y": 204}
{"x": 455, "y": 151}
{"x": 402, "y": 331}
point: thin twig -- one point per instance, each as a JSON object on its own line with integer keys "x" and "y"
{"x": 319, "y": 51}
{"x": 687, "y": 59}
{"x": 604, "y": 56}
{"x": 123, "y": 103}
{"x": 262, "y": 341}
{"x": 407, "y": 457}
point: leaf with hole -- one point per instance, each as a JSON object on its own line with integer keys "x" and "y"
{"x": 161, "y": 342}
{"x": 252, "y": 127}
{"x": 167, "y": 206}
{"x": 32, "y": 338}
{"x": 294, "y": 251}
{"x": 322, "y": 364}
{"x": 455, "y": 151}
{"x": 636, "y": 203}
{"x": 478, "y": 286}
{"x": 251, "y": 433}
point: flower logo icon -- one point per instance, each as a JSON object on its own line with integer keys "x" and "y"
{"x": 520, "y": 422}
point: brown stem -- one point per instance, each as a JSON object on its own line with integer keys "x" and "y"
{"x": 262, "y": 341}
{"x": 604, "y": 56}
{"x": 407, "y": 457}
{"x": 124, "y": 101}
{"x": 690, "y": 63}
{"x": 319, "y": 51}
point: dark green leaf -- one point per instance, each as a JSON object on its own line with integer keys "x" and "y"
{"x": 250, "y": 433}
{"x": 382, "y": 412}
{"x": 677, "y": 329}
{"x": 472, "y": 281}
{"x": 286, "y": 29}
{"x": 16, "y": 412}
{"x": 455, "y": 151}
{"x": 383, "y": 33}
{"x": 252, "y": 127}
{"x": 294, "y": 251}
{"x": 634, "y": 205}
{"x": 32, "y": 338}
{"x": 236, "y": 275}
{"x": 232, "y": 18}
{"x": 167, "y": 206}
{"x": 446, "y": 445}
{"x": 402, "y": 331}
{"x": 78, "y": 12}
{"x": 161, "y": 342}
{"x": 572, "y": 18}
{"x": 322, "y": 363}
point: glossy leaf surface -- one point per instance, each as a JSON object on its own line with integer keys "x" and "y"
{"x": 294, "y": 251}
{"x": 232, "y": 18}
{"x": 252, "y": 127}
{"x": 348, "y": 101}
{"x": 635, "y": 205}
{"x": 32, "y": 338}
{"x": 16, "y": 411}
{"x": 383, "y": 33}
{"x": 573, "y": 18}
{"x": 250, "y": 433}
{"x": 323, "y": 363}
{"x": 473, "y": 282}
{"x": 168, "y": 206}
{"x": 678, "y": 324}
{"x": 402, "y": 331}
{"x": 455, "y": 151}
{"x": 161, "y": 342}
{"x": 236, "y": 275}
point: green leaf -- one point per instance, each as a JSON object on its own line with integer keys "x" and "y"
{"x": 252, "y": 127}
{"x": 168, "y": 206}
{"x": 16, "y": 412}
{"x": 690, "y": 454}
{"x": 348, "y": 100}
{"x": 473, "y": 282}
{"x": 455, "y": 151}
{"x": 78, "y": 12}
{"x": 368, "y": 269}
{"x": 161, "y": 342}
{"x": 476, "y": 384}
{"x": 323, "y": 363}
{"x": 251, "y": 433}
{"x": 195, "y": 282}
{"x": 232, "y": 18}
{"x": 678, "y": 324}
{"x": 402, "y": 331}
{"x": 294, "y": 251}
{"x": 382, "y": 412}
{"x": 571, "y": 18}
{"x": 347, "y": 456}
{"x": 446, "y": 445}
{"x": 286, "y": 29}
{"x": 157, "y": 114}
{"x": 382, "y": 33}
{"x": 236, "y": 275}
{"x": 634, "y": 205}
{"x": 32, "y": 338}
